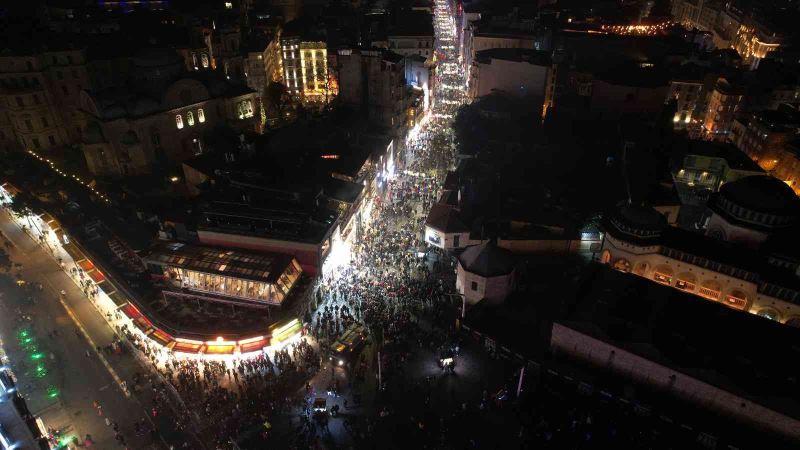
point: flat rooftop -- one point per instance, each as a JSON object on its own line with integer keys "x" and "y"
{"x": 735, "y": 158}
{"x": 265, "y": 267}
{"x": 702, "y": 339}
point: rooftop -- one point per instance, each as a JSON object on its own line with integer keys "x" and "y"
{"x": 487, "y": 260}
{"x": 535, "y": 57}
{"x": 266, "y": 267}
{"x": 762, "y": 193}
{"x": 445, "y": 218}
{"x": 671, "y": 327}
{"x": 734, "y": 157}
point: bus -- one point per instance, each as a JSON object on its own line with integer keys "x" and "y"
{"x": 347, "y": 348}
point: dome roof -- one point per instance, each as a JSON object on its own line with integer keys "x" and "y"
{"x": 639, "y": 221}
{"x": 156, "y": 57}
{"x": 144, "y": 106}
{"x": 487, "y": 260}
{"x": 93, "y": 134}
{"x": 761, "y": 193}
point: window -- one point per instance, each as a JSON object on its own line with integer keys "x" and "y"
{"x": 29, "y": 125}
{"x": 190, "y": 118}
{"x": 69, "y": 59}
{"x": 201, "y": 116}
{"x": 179, "y": 121}
{"x": 44, "y": 122}
{"x": 20, "y": 103}
{"x": 36, "y": 99}
{"x": 245, "y": 109}
{"x": 36, "y": 143}
{"x": 204, "y": 60}
{"x": 64, "y": 89}
{"x": 194, "y": 60}
{"x": 59, "y": 75}
{"x": 474, "y": 286}
{"x": 52, "y": 140}
{"x": 29, "y": 65}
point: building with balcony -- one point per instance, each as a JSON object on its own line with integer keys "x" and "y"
{"x": 686, "y": 89}
{"x": 304, "y": 54}
{"x": 722, "y": 107}
{"x": 767, "y": 135}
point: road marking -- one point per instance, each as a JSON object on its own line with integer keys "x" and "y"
{"x": 103, "y": 359}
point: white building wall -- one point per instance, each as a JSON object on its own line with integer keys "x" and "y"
{"x": 515, "y": 78}
{"x": 642, "y": 370}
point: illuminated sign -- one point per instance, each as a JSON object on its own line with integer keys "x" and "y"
{"x": 330, "y": 156}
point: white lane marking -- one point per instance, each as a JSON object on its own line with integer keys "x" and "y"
{"x": 93, "y": 346}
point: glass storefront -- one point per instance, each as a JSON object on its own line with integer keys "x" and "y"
{"x": 273, "y": 293}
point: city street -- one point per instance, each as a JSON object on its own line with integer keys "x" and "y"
{"x": 70, "y": 334}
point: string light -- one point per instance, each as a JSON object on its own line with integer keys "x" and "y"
{"x": 73, "y": 176}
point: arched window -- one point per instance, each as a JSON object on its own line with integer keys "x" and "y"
{"x": 204, "y": 60}
{"x": 190, "y": 118}
{"x": 179, "y": 121}
{"x": 201, "y": 116}
{"x": 194, "y": 60}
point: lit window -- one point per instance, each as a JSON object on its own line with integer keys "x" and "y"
{"x": 179, "y": 121}
{"x": 228, "y": 5}
{"x": 201, "y": 116}
{"x": 190, "y": 118}
{"x": 204, "y": 60}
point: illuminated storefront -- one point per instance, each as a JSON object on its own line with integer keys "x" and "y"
{"x": 258, "y": 277}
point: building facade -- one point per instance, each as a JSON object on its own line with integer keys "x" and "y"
{"x": 722, "y": 107}
{"x": 638, "y": 241}
{"x": 305, "y": 69}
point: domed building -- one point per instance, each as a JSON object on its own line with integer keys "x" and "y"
{"x": 765, "y": 282}
{"x": 748, "y": 210}
{"x": 485, "y": 271}
{"x": 632, "y": 230}
{"x": 163, "y": 114}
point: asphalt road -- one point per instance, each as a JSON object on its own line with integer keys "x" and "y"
{"x": 68, "y": 333}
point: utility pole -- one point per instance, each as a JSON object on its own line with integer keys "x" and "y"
{"x": 380, "y": 384}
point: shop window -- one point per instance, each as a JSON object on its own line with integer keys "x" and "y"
{"x": 201, "y": 116}
{"x": 684, "y": 285}
{"x": 179, "y": 121}
{"x": 710, "y": 294}
{"x": 662, "y": 278}
{"x": 623, "y": 265}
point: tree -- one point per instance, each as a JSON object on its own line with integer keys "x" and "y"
{"x": 276, "y": 96}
